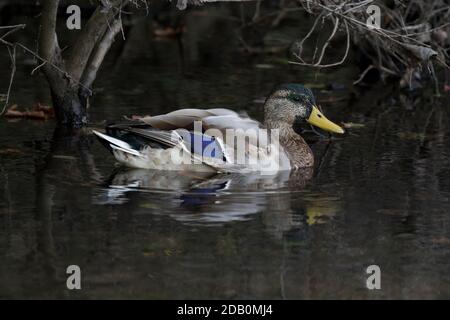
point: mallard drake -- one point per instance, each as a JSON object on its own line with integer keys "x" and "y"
{"x": 222, "y": 140}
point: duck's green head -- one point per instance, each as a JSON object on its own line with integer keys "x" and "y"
{"x": 292, "y": 103}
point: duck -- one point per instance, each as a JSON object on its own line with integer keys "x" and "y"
{"x": 222, "y": 140}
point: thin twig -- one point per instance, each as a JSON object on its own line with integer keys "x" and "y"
{"x": 67, "y": 75}
{"x": 13, "y": 72}
{"x": 395, "y": 48}
{"x": 363, "y": 74}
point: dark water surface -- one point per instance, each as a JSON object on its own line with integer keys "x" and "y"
{"x": 379, "y": 195}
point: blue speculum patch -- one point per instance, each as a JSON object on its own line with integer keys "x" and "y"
{"x": 204, "y": 145}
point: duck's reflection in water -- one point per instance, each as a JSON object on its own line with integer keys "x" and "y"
{"x": 211, "y": 199}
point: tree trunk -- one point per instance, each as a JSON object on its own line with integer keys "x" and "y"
{"x": 68, "y": 98}
{"x": 71, "y": 78}
{"x": 70, "y": 107}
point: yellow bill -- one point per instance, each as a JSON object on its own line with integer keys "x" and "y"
{"x": 319, "y": 120}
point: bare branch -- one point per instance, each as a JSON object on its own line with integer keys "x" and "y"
{"x": 48, "y": 43}
{"x": 99, "y": 53}
{"x": 363, "y": 74}
{"x": 21, "y": 26}
{"x": 92, "y": 32}
{"x": 319, "y": 61}
{"x": 13, "y": 72}
{"x": 401, "y": 44}
{"x": 324, "y": 48}
{"x": 314, "y": 26}
{"x": 43, "y": 61}
{"x": 13, "y": 29}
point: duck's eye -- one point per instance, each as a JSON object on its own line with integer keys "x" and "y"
{"x": 296, "y": 98}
